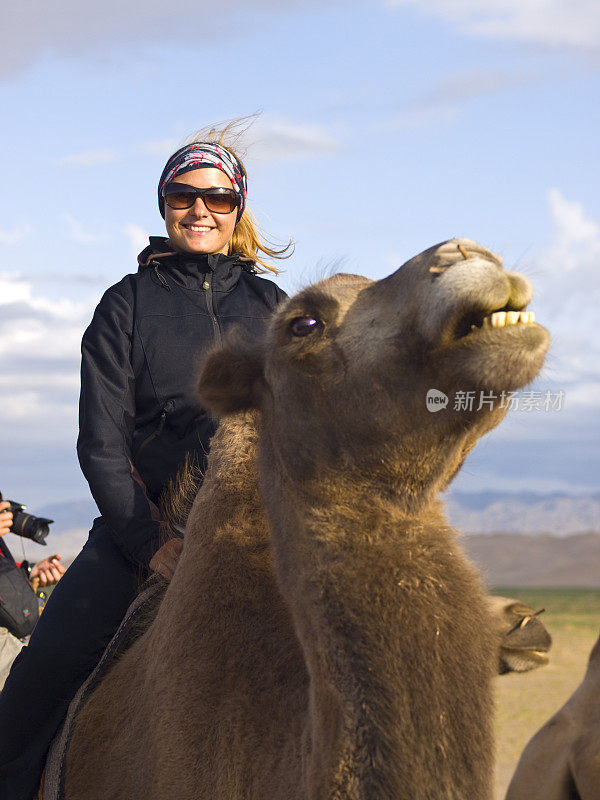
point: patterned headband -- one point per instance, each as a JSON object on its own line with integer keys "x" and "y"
{"x": 204, "y": 154}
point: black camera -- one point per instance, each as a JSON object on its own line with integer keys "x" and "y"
{"x": 26, "y": 525}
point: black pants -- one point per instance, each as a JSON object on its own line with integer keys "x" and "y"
{"x": 81, "y": 616}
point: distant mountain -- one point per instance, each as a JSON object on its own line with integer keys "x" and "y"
{"x": 471, "y": 512}
{"x": 521, "y": 539}
{"x": 68, "y": 533}
{"x": 524, "y": 512}
{"x": 543, "y": 561}
{"x": 69, "y": 514}
{"x": 474, "y": 512}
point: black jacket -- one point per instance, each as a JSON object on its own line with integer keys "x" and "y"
{"x": 139, "y": 365}
{"x": 5, "y": 553}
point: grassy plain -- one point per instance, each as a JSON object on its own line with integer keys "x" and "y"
{"x": 524, "y": 702}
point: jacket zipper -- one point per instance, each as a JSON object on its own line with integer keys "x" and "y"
{"x": 160, "y": 276}
{"x": 167, "y": 408}
{"x": 207, "y": 286}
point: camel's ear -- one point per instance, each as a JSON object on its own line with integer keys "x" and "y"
{"x": 232, "y": 377}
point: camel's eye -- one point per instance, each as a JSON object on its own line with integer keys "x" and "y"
{"x": 303, "y": 326}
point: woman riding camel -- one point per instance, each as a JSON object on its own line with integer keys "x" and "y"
{"x": 139, "y": 423}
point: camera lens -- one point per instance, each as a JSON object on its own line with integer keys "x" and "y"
{"x": 28, "y": 526}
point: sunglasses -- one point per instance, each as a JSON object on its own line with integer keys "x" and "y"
{"x": 216, "y": 199}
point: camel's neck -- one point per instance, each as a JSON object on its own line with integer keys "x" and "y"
{"x": 374, "y": 594}
{"x": 405, "y": 475}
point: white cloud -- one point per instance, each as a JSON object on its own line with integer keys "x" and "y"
{"x": 39, "y": 362}
{"x": 137, "y": 237}
{"x": 91, "y": 158}
{"x": 568, "y": 294}
{"x": 78, "y": 233}
{"x": 72, "y": 27}
{"x": 16, "y": 235}
{"x": 443, "y": 104}
{"x": 38, "y": 329}
{"x": 265, "y": 140}
{"x": 283, "y": 140}
{"x": 575, "y": 244}
{"x": 421, "y": 116}
{"x": 554, "y": 23}
{"x": 585, "y": 394}
{"x": 449, "y": 95}
{"x": 13, "y": 289}
{"x": 575, "y": 234}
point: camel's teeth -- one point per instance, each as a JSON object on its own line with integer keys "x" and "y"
{"x": 524, "y": 316}
{"x": 500, "y": 319}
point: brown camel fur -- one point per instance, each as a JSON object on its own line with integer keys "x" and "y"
{"x": 562, "y": 760}
{"x": 344, "y": 651}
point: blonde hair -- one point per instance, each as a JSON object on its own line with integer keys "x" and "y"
{"x": 248, "y": 240}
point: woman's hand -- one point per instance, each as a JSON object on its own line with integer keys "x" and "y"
{"x": 165, "y": 559}
{"x": 6, "y": 518}
{"x": 48, "y": 571}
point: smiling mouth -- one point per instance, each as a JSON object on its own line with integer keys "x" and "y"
{"x": 198, "y": 228}
{"x": 498, "y": 319}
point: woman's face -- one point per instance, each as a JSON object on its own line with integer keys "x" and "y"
{"x": 195, "y": 229}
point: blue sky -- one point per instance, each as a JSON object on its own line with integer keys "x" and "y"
{"x": 385, "y": 127}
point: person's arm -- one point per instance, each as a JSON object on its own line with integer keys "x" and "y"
{"x": 6, "y": 518}
{"x": 106, "y": 424}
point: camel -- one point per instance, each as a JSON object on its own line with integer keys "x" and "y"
{"x": 524, "y": 642}
{"x": 340, "y": 648}
{"x": 562, "y": 760}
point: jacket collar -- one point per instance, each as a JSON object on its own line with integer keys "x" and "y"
{"x": 161, "y": 250}
{"x": 189, "y": 269}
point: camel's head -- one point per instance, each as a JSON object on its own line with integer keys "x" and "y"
{"x": 524, "y": 640}
{"x": 348, "y": 368}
